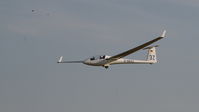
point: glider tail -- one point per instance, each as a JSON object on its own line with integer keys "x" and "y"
{"x": 151, "y": 56}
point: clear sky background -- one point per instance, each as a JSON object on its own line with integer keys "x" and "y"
{"x": 30, "y": 42}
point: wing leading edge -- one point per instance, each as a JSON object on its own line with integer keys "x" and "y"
{"x": 121, "y": 55}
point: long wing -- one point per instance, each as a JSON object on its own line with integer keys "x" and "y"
{"x": 61, "y": 61}
{"x": 121, "y": 55}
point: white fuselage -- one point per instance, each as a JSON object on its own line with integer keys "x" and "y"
{"x": 104, "y": 62}
{"x": 131, "y": 61}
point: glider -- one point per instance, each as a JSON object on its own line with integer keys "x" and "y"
{"x": 105, "y": 60}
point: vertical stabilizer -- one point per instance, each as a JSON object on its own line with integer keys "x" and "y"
{"x": 151, "y": 56}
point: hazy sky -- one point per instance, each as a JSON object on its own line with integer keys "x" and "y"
{"x": 33, "y": 33}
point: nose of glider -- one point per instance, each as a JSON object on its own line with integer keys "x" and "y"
{"x": 87, "y": 62}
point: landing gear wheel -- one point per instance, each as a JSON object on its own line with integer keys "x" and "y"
{"x": 106, "y": 67}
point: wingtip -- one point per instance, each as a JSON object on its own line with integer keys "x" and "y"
{"x": 163, "y": 34}
{"x": 60, "y": 59}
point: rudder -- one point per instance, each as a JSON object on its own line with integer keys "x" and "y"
{"x": 151, "y": 56}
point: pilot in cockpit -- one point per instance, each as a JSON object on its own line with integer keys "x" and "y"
{"x": 97, "y": 57}
{"x": 93, "y": 58}
{"x": 102, "y": 57}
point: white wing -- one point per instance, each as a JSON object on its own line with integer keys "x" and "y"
{"x": 61, "y": 61}
{"x": 121, "y": 55}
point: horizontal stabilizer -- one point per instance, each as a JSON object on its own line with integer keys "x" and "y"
{"x": 150, "y": 47}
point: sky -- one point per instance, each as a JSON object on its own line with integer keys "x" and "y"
{"x": 34, "y": 33}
